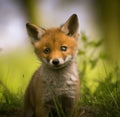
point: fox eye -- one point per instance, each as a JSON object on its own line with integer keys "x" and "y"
{"x": 46, "y": 50}
{"x": 63, "y": 48}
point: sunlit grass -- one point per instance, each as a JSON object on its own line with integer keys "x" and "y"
{"x": 16, "y": 70}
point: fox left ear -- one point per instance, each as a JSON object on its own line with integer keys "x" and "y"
{"x": 71, "y": 26}
{"x": 35, "y": 32}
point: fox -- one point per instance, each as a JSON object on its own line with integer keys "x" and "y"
{"x": 53, "y": 90}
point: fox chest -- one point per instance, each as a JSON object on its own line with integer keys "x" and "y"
{"x": 58, "y": 86}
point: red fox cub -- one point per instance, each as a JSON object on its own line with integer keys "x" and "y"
{"x": 54, "y": 88}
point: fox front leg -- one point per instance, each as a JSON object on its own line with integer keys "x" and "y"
{"x": 68, "y": 106}
{"x": 41, "y": 112}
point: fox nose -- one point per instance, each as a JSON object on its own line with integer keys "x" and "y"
{"x": 55, "y": 62}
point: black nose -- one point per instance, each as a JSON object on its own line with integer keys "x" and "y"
{"x": 55, "y": 62}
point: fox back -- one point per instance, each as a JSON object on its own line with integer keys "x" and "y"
{"x": 56, "y": 82}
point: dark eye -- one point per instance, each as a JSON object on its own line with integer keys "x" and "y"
{"x": 46, "y": 50}
{"x": 63, "y": 48}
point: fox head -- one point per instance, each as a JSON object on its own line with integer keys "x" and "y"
{"x": 55, "y": 47}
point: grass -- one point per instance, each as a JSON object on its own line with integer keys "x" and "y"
{"x": 100, "y": 79}
{"x": 105, "y": 100}
{"x": 15, "y": 72}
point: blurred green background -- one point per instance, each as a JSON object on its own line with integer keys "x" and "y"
{"x": 98, "y": 56}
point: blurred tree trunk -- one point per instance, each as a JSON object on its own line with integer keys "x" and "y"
{"x": 110, "y": 20}
{"x": 31, "y": 10}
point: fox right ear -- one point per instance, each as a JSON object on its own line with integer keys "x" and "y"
{"x": 71, "y": 26}
{"x": 35, "y": 32}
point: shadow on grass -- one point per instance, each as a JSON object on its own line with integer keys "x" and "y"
{"x": 10, "y": 104}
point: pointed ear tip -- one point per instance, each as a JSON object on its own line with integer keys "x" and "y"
{"x": 27, "y": 24}
{"x": 74, "y": 15}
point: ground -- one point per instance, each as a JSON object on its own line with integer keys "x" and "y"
{"x": 86, "y": 111}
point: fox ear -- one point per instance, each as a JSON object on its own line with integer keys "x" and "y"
{"x": 71, "y": 26}
{"x": 35, "y": 32}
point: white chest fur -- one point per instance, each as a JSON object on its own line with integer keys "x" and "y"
{"x": 59, "y": 82}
